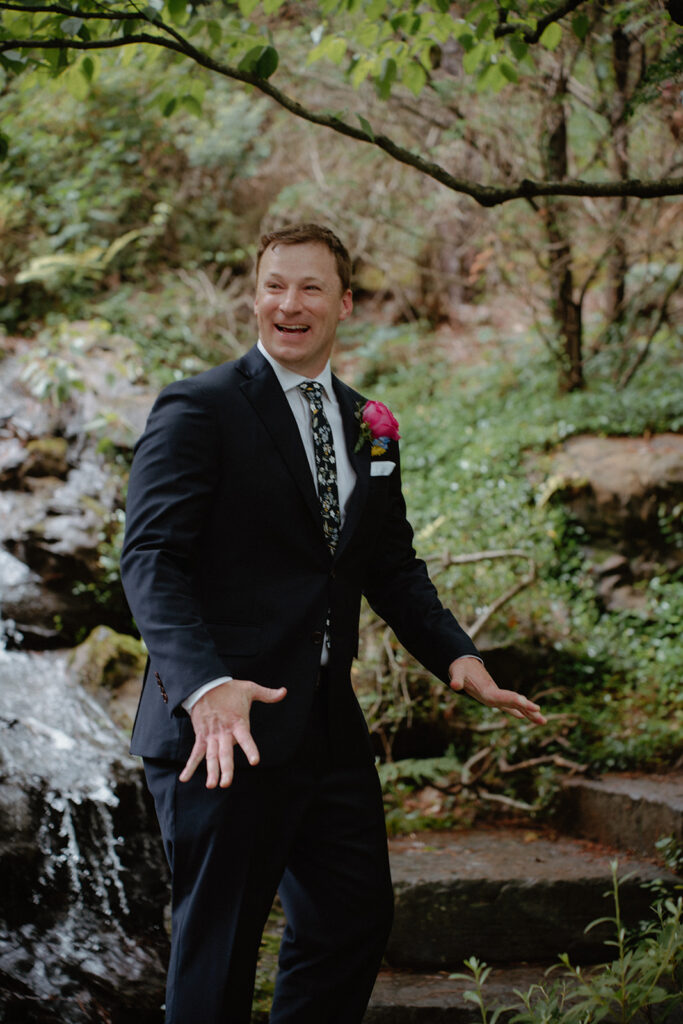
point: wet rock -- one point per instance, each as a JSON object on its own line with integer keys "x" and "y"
{"x": 56, "y": 530}
{"x": 82, "y": 936}
{"x": 60, "y": 500}
{"x": 46, "y": 456}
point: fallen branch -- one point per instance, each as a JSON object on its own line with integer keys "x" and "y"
{"x": 534, "y": 762}
{"x": 507, "y": 801}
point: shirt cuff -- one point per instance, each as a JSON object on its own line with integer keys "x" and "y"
{"x": 190, "y": 701}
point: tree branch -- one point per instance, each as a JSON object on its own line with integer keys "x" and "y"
{"x": 485, "y": 195}
{"x": 507, "y": 28}
{"x": 74, "y": 12}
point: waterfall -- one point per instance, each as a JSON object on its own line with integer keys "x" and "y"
{"x": 81, "y": 930}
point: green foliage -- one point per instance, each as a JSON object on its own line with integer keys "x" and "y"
{"x": 645, "y": 981}
{"x": 474, "y": 448}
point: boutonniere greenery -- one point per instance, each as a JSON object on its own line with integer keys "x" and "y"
{"x": 378, "y": 425}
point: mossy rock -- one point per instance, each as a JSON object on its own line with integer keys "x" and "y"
{"x": 47, "y": 456}
{"x": 110, "y": 665}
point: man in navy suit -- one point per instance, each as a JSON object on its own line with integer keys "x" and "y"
{"x": 256, "y": 520}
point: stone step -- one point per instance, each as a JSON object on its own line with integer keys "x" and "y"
{"x": 508, "y": 896}
{"x": 630, "y": 812}
{"x": 405, "y": 997}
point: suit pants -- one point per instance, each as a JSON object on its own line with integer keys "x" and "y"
{"x": 312, "y": 829}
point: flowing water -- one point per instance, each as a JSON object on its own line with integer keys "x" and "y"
{"x": 83, "y": 875}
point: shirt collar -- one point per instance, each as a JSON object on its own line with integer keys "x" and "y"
{"x": 289, "y": 380}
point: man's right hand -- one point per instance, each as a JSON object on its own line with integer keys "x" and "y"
{"x": 220, "y": 720}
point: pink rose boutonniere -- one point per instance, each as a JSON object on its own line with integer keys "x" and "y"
{"x": 378, "y": 425}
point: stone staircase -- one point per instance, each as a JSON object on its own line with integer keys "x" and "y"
{"x": 516, "y": 898}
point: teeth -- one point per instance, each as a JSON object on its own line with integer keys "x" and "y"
{"x": 291, "y": 329}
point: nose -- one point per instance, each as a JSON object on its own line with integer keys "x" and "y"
{"x": 289, "y": 301}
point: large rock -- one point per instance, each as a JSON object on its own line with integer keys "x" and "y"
{"x": 507, "y": 896}
{"x": 82, "y": 935}
{"x": 629, "y": 811}
{"x": 621, "y": 488}
{"x": 110, "y": 665}
{"x": 60, "y": 499}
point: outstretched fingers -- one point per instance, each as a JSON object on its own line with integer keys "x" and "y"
{"x": 221, "y": 721}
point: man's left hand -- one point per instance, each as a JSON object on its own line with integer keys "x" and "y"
{"x": 470, "y": 676}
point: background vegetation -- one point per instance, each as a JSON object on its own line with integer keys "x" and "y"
{"x": 112, "y": 210}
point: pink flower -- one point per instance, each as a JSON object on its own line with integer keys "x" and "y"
{"x": 380, "y": 420}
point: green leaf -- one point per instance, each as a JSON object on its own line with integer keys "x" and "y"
{"x": 71, "y": 26}
{"x": 215, "y": 32}
{"x": 491, "y": 79}
{"x": 367, "y": 128}
{"x": 12, "y": 60}
{"x": 332, "y": 48}
{"x": 260, "y": 61}
{"x": 414, "y": 77}
{"x": 581, "y": 26}
{"x": 192, "y": 104}
{"x": 169, "y": 106}
{"x": 386, "y": 78}
{"x": 88, "y": 68}
{"x": 178, "y": 11}
{"x": 360, "y": 70}
{"x": 551, "y": 36}
{"x": 267, "y": 62}
{"x": 508, "y": 69}
{"x": 473, "y": 58}
{"x": 271, "y": 6}
{"x": 518, "y": 46}
{"x": 247, "y": 7}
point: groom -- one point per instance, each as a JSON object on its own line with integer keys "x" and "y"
{"x": 261, "y": 507}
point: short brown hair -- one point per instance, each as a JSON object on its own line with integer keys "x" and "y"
{"x": 299, "y": 234}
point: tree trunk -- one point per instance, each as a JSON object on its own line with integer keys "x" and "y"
{"x": 566, "y": 312}
{"x": 618, "y": 264}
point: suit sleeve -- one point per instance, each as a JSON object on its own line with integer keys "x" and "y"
{"x": 171, "y": 486}
{"x": 399, "y": 589}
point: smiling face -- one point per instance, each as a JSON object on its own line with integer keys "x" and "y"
{"x": 299, "y": 302}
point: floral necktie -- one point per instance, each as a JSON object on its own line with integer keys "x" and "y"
{"x": 325, "y": 462}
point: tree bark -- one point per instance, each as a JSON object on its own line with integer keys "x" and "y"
{"x": 618, "y": 265}
{"x": 565, "y": 310}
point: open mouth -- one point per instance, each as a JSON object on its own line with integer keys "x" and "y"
{"x": 292, "y": 328}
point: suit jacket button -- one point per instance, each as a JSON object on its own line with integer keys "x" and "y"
{"x": 317, "y": 637}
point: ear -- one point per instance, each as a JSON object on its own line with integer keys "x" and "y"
{"x": 346, "y": 306}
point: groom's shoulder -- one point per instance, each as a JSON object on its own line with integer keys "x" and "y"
{"x": 214, "y": 382}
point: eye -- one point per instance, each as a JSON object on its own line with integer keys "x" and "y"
{"x": 312, "y": 288}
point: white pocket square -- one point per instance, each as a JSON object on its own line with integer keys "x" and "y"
{"x": 382, "y": 468}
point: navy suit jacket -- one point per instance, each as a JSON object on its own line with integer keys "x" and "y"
{"x": 227, "y": 571}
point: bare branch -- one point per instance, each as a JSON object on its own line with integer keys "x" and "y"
{"x": 659, "y": 320}
{"x": 534, "y": 762}
{"x": 491, "y": 609}
{"x": 507, "y": 801}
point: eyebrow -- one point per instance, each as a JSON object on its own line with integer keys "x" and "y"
{"x": 311, "y": 279}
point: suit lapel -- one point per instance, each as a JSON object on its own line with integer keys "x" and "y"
{"x": 268, "y": 400}
{"x": 263, "y": 391}
{"x": 348, "y": 401}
